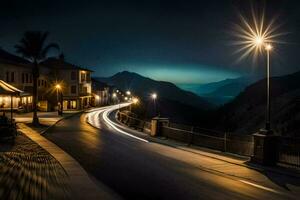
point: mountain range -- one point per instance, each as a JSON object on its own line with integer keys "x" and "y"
{"x": 221, "y": 92}
{"x": 144, "y": 87}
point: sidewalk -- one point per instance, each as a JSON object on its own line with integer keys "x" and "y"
{"x": 44, "y": 117}
{"x": 80, "y": 183}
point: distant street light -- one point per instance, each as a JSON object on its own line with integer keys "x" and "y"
{"x": 154, "y": 97}
{"x": 128, "y": 92}
{"x": 135, "y": 100}
{"x": 114, "y": 95}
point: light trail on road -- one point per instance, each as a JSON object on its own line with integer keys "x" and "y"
{"x": 118, "y": 158}
{"x": 93, "y": 119}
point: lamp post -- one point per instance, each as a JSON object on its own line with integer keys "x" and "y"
{"x": 114, "y": 95}
{"x": 154, "y": 97}
{"x": 135, "y": 101}
{"x": 268, "y": 48}
{"x": 59, "y": 104}
{"x": 257, "y": 39}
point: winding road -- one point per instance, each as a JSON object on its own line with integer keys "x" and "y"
{"x": 133, "y": 167}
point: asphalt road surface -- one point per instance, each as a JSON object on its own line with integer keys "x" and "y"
{"x": 134, "y": 168}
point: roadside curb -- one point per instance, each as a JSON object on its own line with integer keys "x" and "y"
{"x": 82, "y": 186}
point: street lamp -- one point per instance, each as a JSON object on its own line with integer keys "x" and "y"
{"x": 154, "y": 97}
{"x": 59, "y": 104}
{"x": 268, "y": 48}
{"x": 128, "y": 92}
{"x": 135, "y": 100}
{"x": 257, "y": 39}
{"x": 114, "y": 95}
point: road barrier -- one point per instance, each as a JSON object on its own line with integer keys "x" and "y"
{"x": 227, "y": 142}
{"x": 289, "y": 151}
{"x": 133, "y": 122}
{"x": 288, "y": 148}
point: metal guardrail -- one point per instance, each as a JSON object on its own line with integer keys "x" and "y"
{"x": 133, "y": 122}
{"x": 227, "y": 142}
{"x": 288, "y": 149}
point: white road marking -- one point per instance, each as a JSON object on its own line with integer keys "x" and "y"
{"x": 260, "y": 186}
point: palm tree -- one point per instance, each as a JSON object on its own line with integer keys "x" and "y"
{"x": 33, "y": 47}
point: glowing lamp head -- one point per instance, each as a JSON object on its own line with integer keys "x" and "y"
{"x": 114, "y": 95}
{"x": 135, "y": 100}
{"x": 128, "y": 92}
{"x": 97, "y": 97}
{"x": 154, "y": 96}
{"x": 126, "y": 98}
{"x": 268, "y": 47}
{"x": 57, "y": 86}
{"x": 258, "y": 41}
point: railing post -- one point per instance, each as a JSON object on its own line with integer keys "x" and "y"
{"x": 265, "y": 148}
{"x": 225, "y": 141}
{"x": 191, "y": 136}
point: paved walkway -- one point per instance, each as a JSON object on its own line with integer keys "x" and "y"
{"x": 81, "y": 185}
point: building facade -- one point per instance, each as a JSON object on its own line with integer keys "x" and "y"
{"x": 74, "y": 81}
{"x": 100, "y": 93}
{"x": 75, "y": 90}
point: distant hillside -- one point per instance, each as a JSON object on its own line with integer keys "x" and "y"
{"x": 143, "y": 87}
{"x": 223, "y": 91}
{"x": 246, "y": 113}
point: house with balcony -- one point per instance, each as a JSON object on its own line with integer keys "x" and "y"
{"x": 75, "y": 83}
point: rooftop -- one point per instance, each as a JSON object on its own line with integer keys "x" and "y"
{"x": 62, "y": 64}
{"x": 9, "y": 58}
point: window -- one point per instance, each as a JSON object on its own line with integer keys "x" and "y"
{"x": 88, "y": 77}
{"x": 23, "y": 78}
{"x": 30, "y": 78}
{"x": 42, "y": 82}
{"x": 73, "y": 75}
{"x": 73, "y": 89}
{"x": 83, "y": 76}
{"x": 12, "y": 76}
{"x": 39, "y": 82}
{"x": 26, "y": 78}
{"x": 84, "y": 89}
{"x": 7, "y": 76}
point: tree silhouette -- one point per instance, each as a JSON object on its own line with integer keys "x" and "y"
{"x": 33, "y": 47}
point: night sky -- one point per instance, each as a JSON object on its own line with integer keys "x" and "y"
{"x": 178, "y": 41}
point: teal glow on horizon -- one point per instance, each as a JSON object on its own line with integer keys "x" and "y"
{"x": 183, "y": 74}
